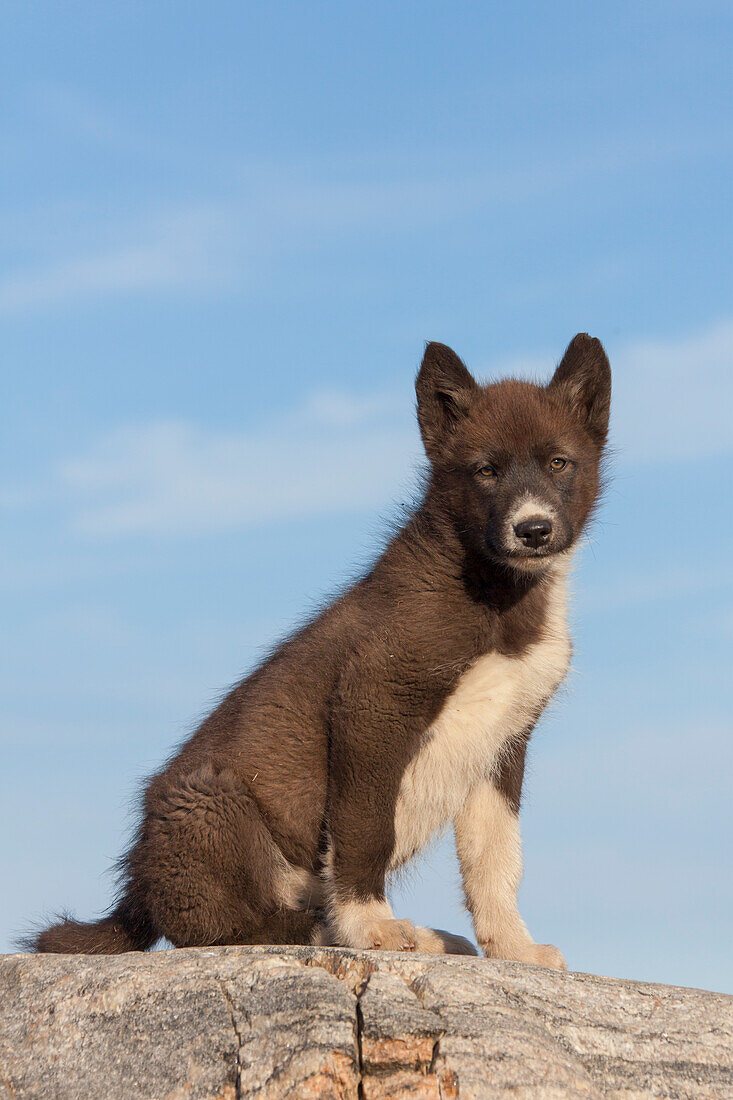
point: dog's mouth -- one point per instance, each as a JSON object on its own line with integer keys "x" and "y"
{"x": 532, "y": 553}
{"x": 527, "y": 558}
{"x": 531, "y": 561}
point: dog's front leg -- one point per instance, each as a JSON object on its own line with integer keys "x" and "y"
{"x": 358, "y": 912}
{"x": 375, "y": 727}
{"x": 368, "y": 732}
{"x": 489, "y": 850}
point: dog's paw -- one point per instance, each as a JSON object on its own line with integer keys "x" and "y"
{"x": 544, "y": 954}
{"x": 540, "y": 954}
{"x": 390, "y": 935}
{"x": 434, "y": 941}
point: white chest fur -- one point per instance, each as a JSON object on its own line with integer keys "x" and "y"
{"x": 493, "y": 702}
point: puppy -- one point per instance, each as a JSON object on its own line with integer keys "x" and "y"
{"x": 404, "y": 705}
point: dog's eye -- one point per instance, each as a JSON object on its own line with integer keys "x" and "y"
{"x": 486, "y": 471}
{"x": 558, "y": 463}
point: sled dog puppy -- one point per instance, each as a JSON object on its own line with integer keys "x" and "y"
{"x": 404, "y": 705}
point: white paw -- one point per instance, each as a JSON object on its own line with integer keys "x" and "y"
{"x": 434, "y": 941}
{"x": 541, "y": 954}
{"x": 544, "y": 954}
{"x": 389, "y": 935}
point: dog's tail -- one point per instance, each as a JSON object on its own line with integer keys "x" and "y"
{"x": 114, "y": 934}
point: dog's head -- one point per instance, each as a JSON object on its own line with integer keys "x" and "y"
{"x": 516, "y": 465}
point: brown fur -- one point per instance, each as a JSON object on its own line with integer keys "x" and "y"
{"x": 306, "y": 755}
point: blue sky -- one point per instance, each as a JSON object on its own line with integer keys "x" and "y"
{"x": 226, "y": 232}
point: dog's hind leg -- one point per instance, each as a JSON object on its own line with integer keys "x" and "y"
{"x": 209, "y": 868}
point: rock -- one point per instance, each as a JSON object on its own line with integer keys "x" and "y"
{"x": 322, "y": 1022}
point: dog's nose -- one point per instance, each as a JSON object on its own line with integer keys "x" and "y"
{"x": 534, "y": 532}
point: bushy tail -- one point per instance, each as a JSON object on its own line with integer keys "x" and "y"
{"x": 112, "y": 935}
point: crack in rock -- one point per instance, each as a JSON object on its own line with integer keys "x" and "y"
{"x": 237, "y": 1033}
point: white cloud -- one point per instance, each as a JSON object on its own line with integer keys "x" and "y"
{"x": 78, "y": 255}
{"x": 169, "y": 252}
{"x": 333, "y": 455}
{"x": 125, "y": 269}
{"x": 673, "y": 399}
{"x": 217, "y": 243}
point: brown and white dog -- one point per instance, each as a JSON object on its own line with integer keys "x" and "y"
{"x": 403, "y": 706}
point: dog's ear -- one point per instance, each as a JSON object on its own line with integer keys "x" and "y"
{"x": 583, "y": 381}
{"x": 444, "y": 388}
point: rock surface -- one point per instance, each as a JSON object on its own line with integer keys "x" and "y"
{"x": 321, "y": 1022}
